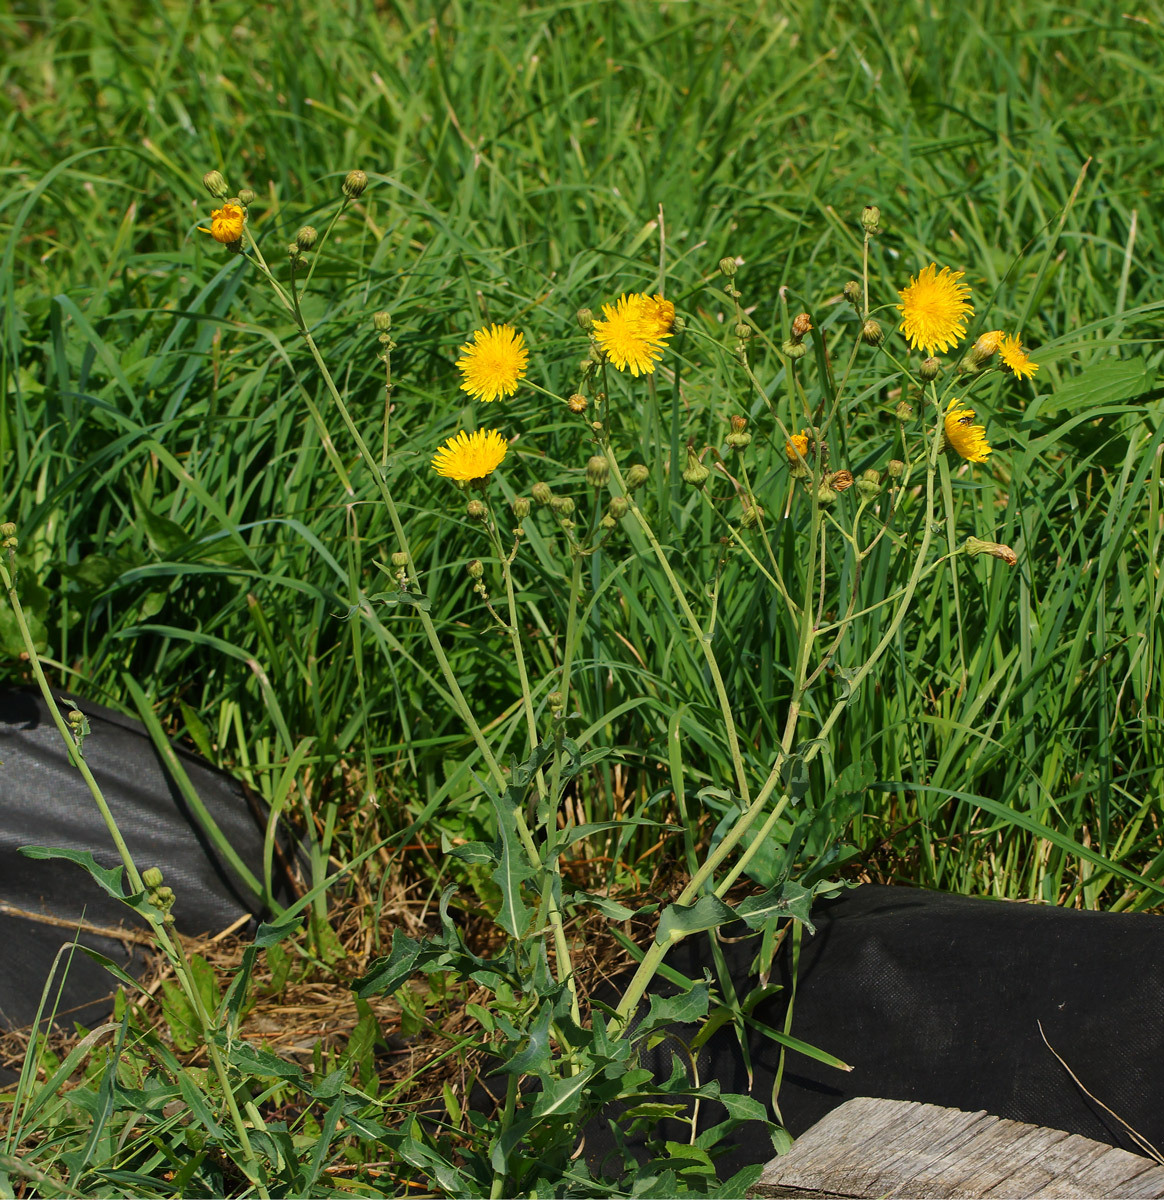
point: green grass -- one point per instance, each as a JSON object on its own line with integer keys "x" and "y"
{"x": 181, "y": 525}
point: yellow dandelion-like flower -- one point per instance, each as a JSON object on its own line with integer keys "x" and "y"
{"x": 934, "y": 309}
{"x": 629, "y": 340}
{"x": 226, "y": 224}
{"x": 493, "y": 362}
{"x": 468, "y": 456}
{"x": 657, "y": 315}
{"x": 1015, "y": 357}
{"x": 968, "y": 439}
{"x": 796, "y": 444}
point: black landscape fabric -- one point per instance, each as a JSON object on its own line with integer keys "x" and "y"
{"x": 44, "y": 801}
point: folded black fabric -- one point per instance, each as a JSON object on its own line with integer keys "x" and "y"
{"x": 45, "y": 802}
{"x": 939, "y": 998}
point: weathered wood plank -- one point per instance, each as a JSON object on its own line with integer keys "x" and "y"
{"x": 892, "y": 1148}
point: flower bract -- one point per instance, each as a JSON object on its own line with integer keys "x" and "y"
{"x": 493, "y": 362}
{"x": 967, "y": 439}
{"x": 1015, "y": 357}
{"x": 934, "y": 309}
{"x": 226, "y": 224}
{"x": 469, "y": 456}
{"x": 633, "y": 332}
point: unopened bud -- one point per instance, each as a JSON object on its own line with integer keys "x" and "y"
{"x": 382, "y": 321}
{"x": 151, "y": 877}
{"x": 984, "y": 348}
{"x": 753, "y": 514}
{"x": 896, "y": 468}
{"x": 75, "y": 716}
{"x": 8, "y": 529}
{"x": 871, "y": 333}
{"x": 636, "y": 476}
{"x": 869, "y": 485}
{"x": 556, "y": 702}
{"x": 521, "y": 507}
{"x": 870, "y": 218}
{"x": 930, "y": 369}
{"x": 743, "y": 332}
{"x": 973, "y": 546}
{"x": 801, "y": 325}
{"x": 678, "y": 323}
{"x": 608, "y": 523}
{"x": 246, "y": 196}
{"x": 853, "y": 293}
{"x": 306, "y": 237}
{"x": 825, "y": 495}
{"x": 476, "y": 510}
{"x": 562, "y": 505}
{"x": 476, "y": 569}
{"x": 577, "y": 403}
{"x": 399, "y": 558}
{"x": 215, "y": 183}
{"x": 541, "y": 492}
{"x": 354, "y": 184}
{"x": 695, "y": 473}
{"x": 597, "y": 471}
{"x": 794, "y": 349}
{"x": 597, "y": 427}
{"x": 727, "y": 267}
{"x": 841, "y": 481}
{"x": 585, "y": 319}
{"x": 739, "y": 438}
{"x": 618, "y": 507}
{"x": 904, "y": 411}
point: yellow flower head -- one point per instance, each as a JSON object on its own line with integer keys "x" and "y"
{"x": 934, "y": 309}
{"x": 798, "y": 444}
{"x": 1015, "y": 357}
{"x": 632, "y": 340}
{"x": 968, "y": 439}
{"x": 657, "y": 315}
{"x": 469, "y": 456}
{"x": 226, "y": 224}
{"x": 493, "y": 362}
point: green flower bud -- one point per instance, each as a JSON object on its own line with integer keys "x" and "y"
{"x": 8, "y": 529}
{"x": 354, "y": 184}
{"x": 597, "y": 471}
{"x": 727, "y": 267}
{"x": 896, "y": 468}
{"x": 743, "y": 332}
{"x": 476, "y": 510}
{"x": 794, "y": 349}
{"x": 618, "y": 507}
{"x": 854, "y": 293}
{"x": 904, "y": 411}
{"x": 562, "y": 505}
{"x": 521, "y": 507}
{"x": 247, "y": 196}
{"x": 870, "y": 218}
{"x": 679, "y": 323}
{"x": 399, "y": 559}
{"x": 871, "y": 333}
{"x": 476, "y": 569}
{"x": 739, "y": 438}
{"x": 541, "y": 493}
{"x": 825, "y": 495}
{"x": 973, "y": 546}
{"x": 585, "y": 319}
{"x": 215, "y": 183}
{"x": 695, "y": 472}
{"x": 929, "y": 369}
{"x": 608, "y": 523}
{"x": 152, "y": 878}
{"x": 382, "y": 321}
{"x": 306, "y": 237}
{"x": 636, "y": 476}
{"x": 753, "y": 515}
{"x": 556, "y": 702}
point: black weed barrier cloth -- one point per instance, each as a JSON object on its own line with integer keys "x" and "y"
{"x": 939, "y": 998}
{"x": 44, "y": 801}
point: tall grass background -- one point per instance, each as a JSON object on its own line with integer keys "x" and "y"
{"x": 186, "y": 551}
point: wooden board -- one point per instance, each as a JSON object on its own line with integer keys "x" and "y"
{"x": 899, "y": 1149}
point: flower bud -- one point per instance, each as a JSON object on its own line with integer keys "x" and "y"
{"x": 306, "y": 237}
{"x": 982, "y": 351}
{"x": 596, "y": 427}
{"x": 636, "y": 476}
{"x": 585, "y": 319}
{"x": 562, "y": 505}
{"x": 541, "y": 493}
{"x": 476, "y": 569}
{"x": 354, "y": 184}
{"x": 618, "y": 507}
{"x": 556, "y": 702}
{"x": 739, "y": 438}
{"x": 399, "y": 559}
{"x": 577, "y": 403}
{"x": 151, "y": 876}
{"x": 246, "y": 197}
{"x": 904, "y": 411}
{"x": 695, "y": 473}
{"x": 75, "y": 716}
{"x": 870, "y": 218}
{"x": 753, "y": 514}
{"x": 930, "y": 369}
{"x": 974, "y": 547}
{"x": 825, "y": 495}
{"x": 841, "y": 481}
{"x": 869, "y": 485}
{"x": 679, "y": 323}
{"x": 871, "y": 333}
{"x": 896, "y": 468}
{"x": 853, "y": 293}
{"x": 801, "y": 325}
{"x": 215, "y": 183}
{"x": 521, "y": 507}
{"x": 8, "y": 529}
{"x": 794, "y": 349}
{"x": 743, "y": 332}
{"x": 608, "y": 523}
{"x": 476, "y": 510}
{"x": 597, "y": 471}
{"x": 382, "y": 321}
{"x": 727, "y": 267}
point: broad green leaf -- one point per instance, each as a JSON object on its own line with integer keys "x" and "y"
{"x": 679, "y": 920}
{"x": 511, "y": 872}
